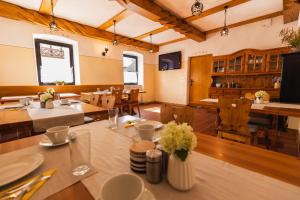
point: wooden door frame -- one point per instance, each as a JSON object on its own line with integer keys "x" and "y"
{"x": 189, "y": 75}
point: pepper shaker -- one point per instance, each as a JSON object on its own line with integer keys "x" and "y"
{"x": 153, "y": 165}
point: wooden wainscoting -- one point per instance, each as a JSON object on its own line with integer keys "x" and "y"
{"x": 32, "y": 90}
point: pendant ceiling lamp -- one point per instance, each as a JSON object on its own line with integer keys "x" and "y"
{"x": 151, "y": 50}
{"x": 197, "y": 7}
{"x": 52, "y": 25}
{"x": 115, "y": 41}
{"x": 225, "y": 30}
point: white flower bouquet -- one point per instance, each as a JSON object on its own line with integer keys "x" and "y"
{"x": 178, "y": 139}
{"x": 46, "y": 97}
{"x": 261, "y": 94}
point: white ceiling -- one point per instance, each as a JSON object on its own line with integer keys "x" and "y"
{"x": 164, "y": 36}
{"x": 30, "y": 4}
{"x": 89, "y": 12}
{"x": 248, "y": 10}
{"x": 182, "y": 8}
{"x": 96, "y": 12}
{"x": 135, "y": 25}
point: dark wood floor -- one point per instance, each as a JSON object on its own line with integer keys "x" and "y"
{"x": 204, "y": 123}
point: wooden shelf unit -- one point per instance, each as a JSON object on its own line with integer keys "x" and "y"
{"x": 247, "y": 70}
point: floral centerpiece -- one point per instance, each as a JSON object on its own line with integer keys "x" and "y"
{"x": 59, "y": 82}
{"x": 179, "y": 141}
{"x": 260, "y": 96}
{"x": 291, "y": 37}
{"x": 51, "y": 91}
{"x": 46, "y": 100}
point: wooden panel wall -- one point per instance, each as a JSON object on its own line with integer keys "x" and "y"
{"x": 31, "y": 90}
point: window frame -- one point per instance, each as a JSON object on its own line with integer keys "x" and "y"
{"x": 137, "y": 69}
{"x": 37, "y": 43}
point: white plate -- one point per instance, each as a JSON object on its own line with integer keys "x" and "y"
{"x": 18, "y": 167}
{"x": 47, "y": 143}
{"x": 156, "y": 124}
{"x": 148, "y": 195}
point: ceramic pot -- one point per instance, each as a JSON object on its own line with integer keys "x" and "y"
{"x": 43, "y": 104}
{"x": 259, "y": 100}
{"x": 181, "y": 175}
{"x": 49, "y": 104}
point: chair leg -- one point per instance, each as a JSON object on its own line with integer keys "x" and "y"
{"x": 138, "y": 107}
{"x": 130, "y": 110}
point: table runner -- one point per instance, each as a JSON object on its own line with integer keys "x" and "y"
{"x": 60, "y": 115}
{"x": 215, "y": 179}
{"x": 58, "y": 158}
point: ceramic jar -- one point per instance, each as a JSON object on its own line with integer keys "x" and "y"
{"x": 181, "y": 174}
{"x": 49, "y": 104}
{"x": 259, "y": 100}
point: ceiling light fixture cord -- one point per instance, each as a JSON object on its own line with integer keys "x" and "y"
{"x": 151, "y": 50}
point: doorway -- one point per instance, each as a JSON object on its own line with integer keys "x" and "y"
{"x": 200, "y": 78}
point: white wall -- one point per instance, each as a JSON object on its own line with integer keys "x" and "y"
{"x": 171, "y": 86}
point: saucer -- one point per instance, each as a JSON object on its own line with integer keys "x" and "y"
{"x": 148, "y": 195}
{"x": 45, "y": 142}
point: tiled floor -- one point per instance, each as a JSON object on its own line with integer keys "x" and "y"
{"x": 204, "y": 122}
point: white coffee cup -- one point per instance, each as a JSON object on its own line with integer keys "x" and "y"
{"x": 146, "y": 131}
{"x": 57, "y": 134}
{"x": 123, "y": 187}
{"x": 64, "y": 101}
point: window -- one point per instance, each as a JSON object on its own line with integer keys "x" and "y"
{"x": 130, "y": 66}
{"x": 55, "y": 62}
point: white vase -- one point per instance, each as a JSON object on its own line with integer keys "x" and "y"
{"x": 259, "y": 100}
{"x": 49, "y": 104}
{"x": 181, "y": 175}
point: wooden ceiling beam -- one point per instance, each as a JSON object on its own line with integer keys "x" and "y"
{"x": 216, "y": 9}
{"x": 15, "y": 12}
{"x": 173, "y": 41}
{"x": 291, "y": 9}
{"x": 118, "y": 17}
{"x": 153, "y": 11}
{"x": 46, "y": 8}
{"x": 249, "y": 21}
{"x": 164, "y": 28}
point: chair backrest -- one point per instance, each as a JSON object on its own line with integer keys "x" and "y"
{"x": 249, "y": 96}
{"x": 179, "y": 114}
{"x": 86, "y": 97}
{"x": 234, "y": 114}
{"x": 96, "y": 99}
{"x": 118, "y": 96}
{"x": 108, "y": 101}
{"x": 134, "y": 95}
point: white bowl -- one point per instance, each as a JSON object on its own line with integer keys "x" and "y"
{"x": 123, "y": 187}
{"x": 57, "y": 134}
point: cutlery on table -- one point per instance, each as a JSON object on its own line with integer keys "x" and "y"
{"x": 27, "y": 188}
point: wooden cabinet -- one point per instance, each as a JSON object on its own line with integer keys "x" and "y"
{"x": 219, "y": 65}
{"x": 255, "y": 61}
{"x": 274, "y": 61}
{"x": 235, "y": 63}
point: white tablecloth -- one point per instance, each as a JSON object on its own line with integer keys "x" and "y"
{"x": 215, "y": 179}
{"x": 60, "y": 115}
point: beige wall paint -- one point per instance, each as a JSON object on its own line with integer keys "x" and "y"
{"x": 171, "y": 86}
{"x": 17, "y": 66}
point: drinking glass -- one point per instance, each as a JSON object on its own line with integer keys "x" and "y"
{"x": 80, "y": 151}
{"x": 113, "y": 118}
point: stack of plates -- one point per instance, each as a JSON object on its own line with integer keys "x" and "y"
{"x": 138, "y": 155}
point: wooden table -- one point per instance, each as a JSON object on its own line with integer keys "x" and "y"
{"x": 35, "y": 97}
{"x": 16, "y": 123}
{"x": 268, "y": 110}
{"x": 273, "y": 164}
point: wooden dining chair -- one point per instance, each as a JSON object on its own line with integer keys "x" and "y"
{"x": 86, "y": 97}
{"x": 234, "y": 116}
{"x": 179, "y": 114}
{"x": 133, "y": 101}
{"x": 108, "y": 101}
{"x": 96, "y": 98}
{"x": 118, "y": 99}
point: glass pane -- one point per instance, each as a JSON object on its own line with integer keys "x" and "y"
{"x": 55, "y": 64}
{"x": 130, "y": 70}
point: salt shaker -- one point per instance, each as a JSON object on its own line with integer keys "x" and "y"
{"x": 153, "y": 165}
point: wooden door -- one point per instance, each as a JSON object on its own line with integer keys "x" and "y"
{"x": 200, "y": 78}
